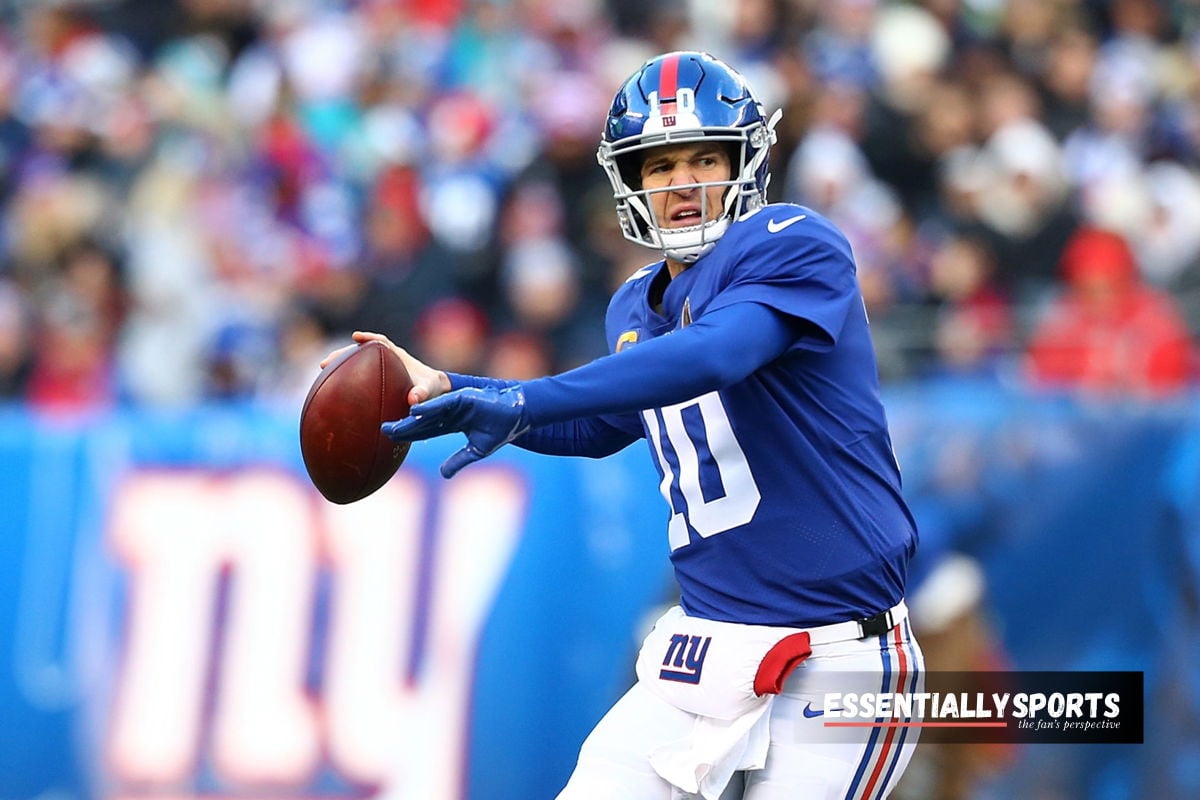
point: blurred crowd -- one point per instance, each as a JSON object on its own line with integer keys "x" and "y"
{"x": 199, "y": 198}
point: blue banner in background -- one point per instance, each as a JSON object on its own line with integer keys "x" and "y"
{"x": 187, "y": 616}
{"x": 184, "y": 616}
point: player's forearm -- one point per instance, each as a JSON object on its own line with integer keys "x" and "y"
{"x": 717, "y": 351}
{"x": 589, "y": 438}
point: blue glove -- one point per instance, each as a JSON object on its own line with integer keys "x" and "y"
{"x": 491, "y": 418}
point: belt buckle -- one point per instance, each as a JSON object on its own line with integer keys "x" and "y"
{"x": 877, "y": 625}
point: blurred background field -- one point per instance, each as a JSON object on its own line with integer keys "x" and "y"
{"x": 199, "y": 198}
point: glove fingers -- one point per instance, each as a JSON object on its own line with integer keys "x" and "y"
{"x": 439, "y": 406}
{"x": 425, "y": 420}
{"x": 413, "y": 429}
{"x": 465, "y": 456}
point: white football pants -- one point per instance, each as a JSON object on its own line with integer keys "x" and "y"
{"x": 806, "y": 759}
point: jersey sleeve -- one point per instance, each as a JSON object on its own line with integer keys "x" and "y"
{"x": 805, "y": 271}
{"x": 717, "y": 350}
{"x": 592, "y": 437}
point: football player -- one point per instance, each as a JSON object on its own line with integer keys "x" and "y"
{"x": 743, "y": 357}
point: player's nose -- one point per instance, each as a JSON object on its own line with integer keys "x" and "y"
{"x": 683, "y": 175}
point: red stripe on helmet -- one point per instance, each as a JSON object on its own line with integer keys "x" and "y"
{"x": 668, "y": 80}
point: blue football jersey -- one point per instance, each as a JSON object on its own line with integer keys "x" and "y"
{"x": 784, "y": 493}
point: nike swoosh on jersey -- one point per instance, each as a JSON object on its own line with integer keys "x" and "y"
{"x": 809, "y": 713}
{"x": 774, "y": 226}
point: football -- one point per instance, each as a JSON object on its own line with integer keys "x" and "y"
{"x": 346, "y": 455}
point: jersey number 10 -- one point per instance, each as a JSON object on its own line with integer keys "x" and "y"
{"x": 706, "y": 479}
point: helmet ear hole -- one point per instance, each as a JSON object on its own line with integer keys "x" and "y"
{"x": 630, "y": 167}
{"x": 734, "y": 151}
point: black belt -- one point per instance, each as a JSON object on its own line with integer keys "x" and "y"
{"x": 877, "y": 625}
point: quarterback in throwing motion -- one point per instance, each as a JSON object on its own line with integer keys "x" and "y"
{"x": 743, "y": 357}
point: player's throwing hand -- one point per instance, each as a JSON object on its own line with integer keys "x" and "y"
{"x": 428, "y": 382}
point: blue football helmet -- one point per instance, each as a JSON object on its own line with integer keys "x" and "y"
{"x": 684, "y": 97}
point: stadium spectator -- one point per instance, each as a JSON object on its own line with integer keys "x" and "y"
{"x": 1109, "y": 331}
{"x": 1065, "y": 83}
{"x": 454, "y": 330}
{"x": 518, "y": 356}
{"x": 909, "y": 47}
{"x": 1026, "y": 208}
{"x": 973, "y": 325}
{"x": 15, "y": 345}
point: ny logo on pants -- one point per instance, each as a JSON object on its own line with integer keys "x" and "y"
{"x": 686, "y": 655}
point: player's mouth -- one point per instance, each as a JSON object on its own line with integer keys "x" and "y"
{"x": 685, "y": 216}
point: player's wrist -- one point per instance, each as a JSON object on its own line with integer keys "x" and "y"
{"x": 458, "y": 380}
{"x": 514, "y": 397}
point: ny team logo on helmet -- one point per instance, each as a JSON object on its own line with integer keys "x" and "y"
{"x": 685, "y": 97}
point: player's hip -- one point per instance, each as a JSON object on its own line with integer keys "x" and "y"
{"x": 724, "y": 669}
{"x": 886, "y": 661}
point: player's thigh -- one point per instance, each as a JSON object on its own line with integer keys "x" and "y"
{"x": 810, "y": 759}
{"x": 829, "y": 771}
{"x": 614, "y": 761}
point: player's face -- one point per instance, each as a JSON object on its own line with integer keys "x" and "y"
{"x": 681, "y": 165}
